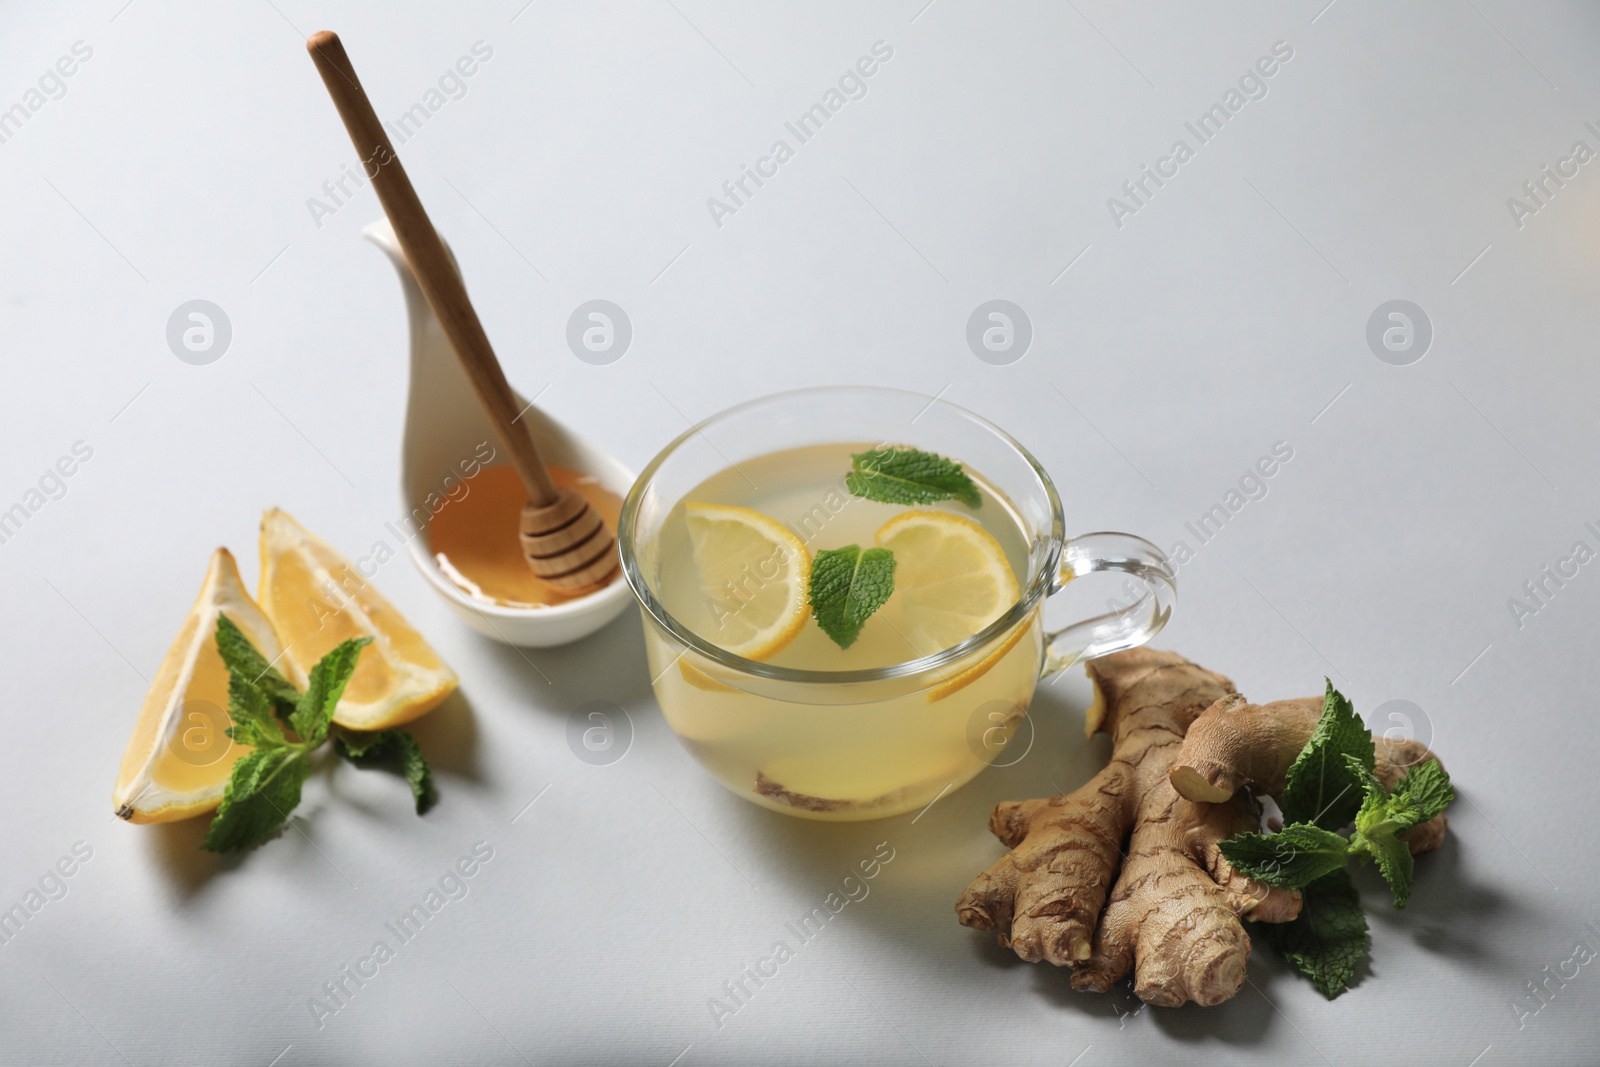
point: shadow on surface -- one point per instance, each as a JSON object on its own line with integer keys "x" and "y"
{"x": 609, "y": 664}
{"x": 1447, "y": 911}
{"x": 188, "y": 867}
{"x": 449, "y": 738}
{"x": 1243, "y": 1020}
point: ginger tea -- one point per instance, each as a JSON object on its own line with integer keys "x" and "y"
{"x": 840, "y": 760}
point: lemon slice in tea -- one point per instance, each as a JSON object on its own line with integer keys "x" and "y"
{"x": 950, "y": 576}
{"x": 753, "y": 573}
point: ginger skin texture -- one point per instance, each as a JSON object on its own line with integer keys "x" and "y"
{"x": 1124, "y": 874}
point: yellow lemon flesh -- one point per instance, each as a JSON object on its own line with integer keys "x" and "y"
{"x": 317, "y": 599}
{"x": 950, "y": 576}
{"x": 760, "y": 615}
{"x": 178, "y": 760}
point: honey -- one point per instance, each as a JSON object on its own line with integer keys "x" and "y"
{"x": 474, "y": 537}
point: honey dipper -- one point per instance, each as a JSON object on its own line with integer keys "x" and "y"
{"x": 563, "y": 537}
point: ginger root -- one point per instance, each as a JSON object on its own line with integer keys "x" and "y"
{"x": 1125, "y": 874}
{"x": 1236, "y": 745}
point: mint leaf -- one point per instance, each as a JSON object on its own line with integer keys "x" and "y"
{"x": 314, "y": 710}
{"x": 1329, "y": 938}
{"x": 1294, "y": 857}
{"x": 394, "y": 748}
{"x": 1424, "y": 792}
{"x": 263, "y": 789}
{"x": 1393, "y": 857}
{"x": 264, "y": 785}
{"x": 847, "y": 586}
{"x": 907, "y": 476}
{"x": 253, "y": 712}
{"x": 1426, "y": 788}
{"x": 414, "y": 767}
{"x": 1374, "y": 797}
{"x": 1332, "y": 783}
{"x": 1419, "y": 796}
{"x": 357, "y": 745}
{"x": 1321, "y": 788}
{"x": 243, "y": 658}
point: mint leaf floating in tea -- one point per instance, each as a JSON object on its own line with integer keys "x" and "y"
{"x": 847, "y": 586}
{"x": 285, "y": 727}
{"x": 908, "y": 476}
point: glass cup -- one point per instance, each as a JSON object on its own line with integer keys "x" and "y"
{"x": 866, "y": 744}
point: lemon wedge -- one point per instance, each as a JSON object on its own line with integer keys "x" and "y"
{"x": 950, "y": 576}
{"x": 753, "y": 573}
{"x": 317, "y": 599}
{"x": 180, "y": 756}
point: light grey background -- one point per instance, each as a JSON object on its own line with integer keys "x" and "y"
{"x": 1227, "y": 314}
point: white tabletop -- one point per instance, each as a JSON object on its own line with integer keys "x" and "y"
{"x": 1191, "y": 329}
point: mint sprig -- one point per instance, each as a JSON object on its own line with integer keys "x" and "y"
{"x": 1417, "y": 797}
{"x": 909, "y": 476}
{"x": 284, "y": 727}
{"x": 847, "y": 586}
{"x": 1330, "y": 785}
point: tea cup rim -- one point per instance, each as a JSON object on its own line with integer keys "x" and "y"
{"x": 1040, "y": 585}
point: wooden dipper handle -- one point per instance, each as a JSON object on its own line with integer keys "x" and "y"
{"x": 435, "y": 274}
{"x": 563, "y": 538}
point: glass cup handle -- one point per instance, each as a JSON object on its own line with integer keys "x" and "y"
{"x": 1156, "y": 591}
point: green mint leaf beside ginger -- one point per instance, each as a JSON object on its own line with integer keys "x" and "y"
{"x": 1328, "y": 939}
{"x": 1393, "y": 857}
{"x": 847, "y": 586}
{"x": 1331, "y": 785}
{"x": 909, "y": 476}
{"x": 1293, "y": 858}
{"x": 1321, "y": 787}
{"x": 1426, "y": 790}
{"x": 264, "y": 786}
{"x": 1419, "y": 796}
